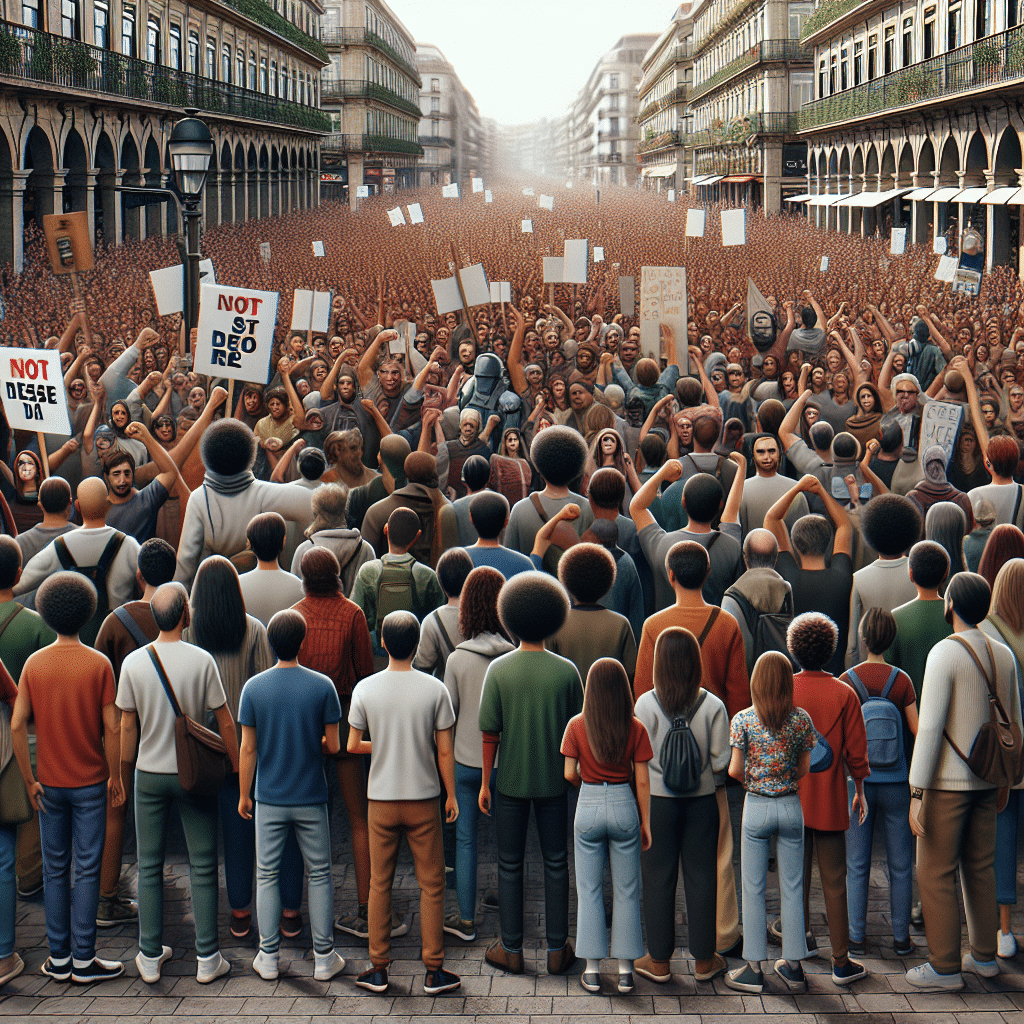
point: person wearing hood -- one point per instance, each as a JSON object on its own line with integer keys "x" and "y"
{"x": 864, "y": 424}
{"x": 924, "y": 359}
{"x": 329, "y": 529}
{"x": 935, "y": 487}
{"x": 975, "y": 541}
{"x": 120, "y": 418}
{"x": 28, "y": 475}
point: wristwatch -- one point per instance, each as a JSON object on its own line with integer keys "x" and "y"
{"x": 915, "y": 793}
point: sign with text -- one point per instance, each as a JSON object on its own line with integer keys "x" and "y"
{"x": 264, "y": 252}
{"x": 662, "y": 301}
{"x": 68, "y": 242}
{"x": 32, "y": 390}
{"x": 940, "y": 424}
{"x": 236, "y": 333}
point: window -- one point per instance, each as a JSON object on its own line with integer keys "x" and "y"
{"x": 832, "y": 76}
{"x": 798, "y": 14}
{"x": 954, "y": 24}
{"x": 101, "y": 24}
{"x": 613, "y": 81}
{"x": 844, "y": 64}
{"x": 928, "y": 38}
{"x": 263, "y": 75}
{"x": 435, "y": 128}
{"x": 801, "y": 89}
{"x": 240, "y": 68}
{"x": 858, "y": 64}
{"x": 435, "y": 85}
{"x": 128, "y": 30}
{"x": 273, "y": 78}
{"x": 174, "y": 49}
{"x": 890, "y": 49}
{"x": 70, "y": 26}
{"x": 435, "y": 105}
{"x": 225, "y": 63}
{"x": 252, "y": 70}
{"x": 1012, "y": 13}
{"x": 153, "y": 40}
{"x": 821, "y": 77}
{"x": 283, "y": 92}
{"x": 30, "y": 13}
{"x": 908, "y": 42}
{"x": 872, "y": 56}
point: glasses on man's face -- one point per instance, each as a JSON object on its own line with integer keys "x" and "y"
{"x": 900, "y": 391}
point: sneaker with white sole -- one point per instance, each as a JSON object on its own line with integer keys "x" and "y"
{"x": 266, "y": 965}
{"x": 926, "y": 979}
{"x": 1007, "y": 945}
{"x": 455, "y": 924}
{"x": 985, "y": 968}
{"x": 149, "y": 966}
{"x": 96, "y": 970}
{"x": 327, "y": 965}
{"x": 210, "y": 968}
{"x": 59, "y": 970}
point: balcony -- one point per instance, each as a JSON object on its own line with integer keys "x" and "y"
{"x": 720, "y": 25}
{"x": 743, "y": 129}
{"x": 338, "y": 142}
{"x": 829, "y": 11}
{"x": 618, "y": 133}
{"x": 603, "y": 115}
{"x": 678, "y": 95}
{"x": 364, "y": 37}
{"x": 666, "y": 140}
{"x": 771, "y": 51}
{"x": 41, "y": 59}
{"x": 263, "y": 14}
{"x": 610, "y": 158}
{"x": 435, "y": 140}
{"x": 354, "y": 88}
{"x": 987, "y": 65}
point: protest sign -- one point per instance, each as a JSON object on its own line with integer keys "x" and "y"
{"x": 898, "y": 242}
{"x": 487, "y": 196}
{"x": 446, "y": 295}
{"x": 734, "y": 227}
{"x": 528, "y": 192}
{"x": 940, "y": 424}
{"x": 671, "y": 195}
{"x": 478, "y": 185}
{"x": 527, "y": 227}
{"x": 546, "y": 202}
{"x": 599, "y": 254}
{"x": 450, "y": 191}
{"x": 695, "y": 220}
{"x": 553, "y": 269}
{"x": 415, "y": 213}
{"x": 946, "y": 269}
{"x": 302, "y": 310}
{"x": 663, "y": 301}
{"x": 939, "y": 245}
{"x": 823, "y": 268}
{"x": 321, "y": 317}
{"x": 32, "y": 390}
{"x": 318, "y": 249}
{"x": 236, "y": 333}
{"x": 501, "y": 291}
{"x": 264, "y": 252}
{"x": 626, "y": 295}
{"x": 169, "y": 287}
{"x": 396, "y": 216}
{"x": 574, "y": 266}
{"x": 68, "y": 242}
{"x": 362, "y": 191}
{"x": 474, "y": 285}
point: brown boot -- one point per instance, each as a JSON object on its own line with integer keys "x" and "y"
{"x": 498, "y": 956}
{"x": 560, "y": 960}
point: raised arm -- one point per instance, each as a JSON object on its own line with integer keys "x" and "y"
{"x": 870, "y": 450}
{"x": 187, "y": 445}
{"x": 787, "y": 428}
{"x": 383, "y": 427}
{"x": 883, "y": 325}
{"x": 775, "y": 517}
{"x": 697, "y": 361}
{"x": 285, "y": 460}
{"x": 639, "y": 507}
{"x": 368, "y": 364}
{"x": 842, "y": 543}
{"x": 284, "y": 368}
{"x": 168, "y": 474}
{"x": 731, "y": 512}
{"x": 542, "y": 541}
{"x": 515, "y": 353}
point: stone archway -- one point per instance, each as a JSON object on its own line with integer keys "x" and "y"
{"x": 40, "y": 185}
{"x": 106, "y": 206}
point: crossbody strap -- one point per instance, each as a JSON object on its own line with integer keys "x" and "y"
{"x": 993, "y": 695}
{"x": 168, "y": 689}
{"x": 712, "y": 617}
{"x": 536, "y": 502}
{"x": 11, "y": 615}
{"x": 134, "y": 629}
{"x": 444, "y": 632}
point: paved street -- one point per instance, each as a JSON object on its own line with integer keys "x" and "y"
{"x": 486, "y": 995}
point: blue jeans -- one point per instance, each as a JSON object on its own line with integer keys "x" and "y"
{"x": 74, "y": 821}
{"x": 467, "y": 791}
{"x": 240, "y": 854}
{"x": 764, "y": 817}
{"x": 313, "y": 832}
{"x": 607, "y": 828}
{"x": 1006, "y": 851}
{"x": 890, "y": 802}
{"x": 8, "y": 888}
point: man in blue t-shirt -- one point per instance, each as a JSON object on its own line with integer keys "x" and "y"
{"x": 289, "y": 717}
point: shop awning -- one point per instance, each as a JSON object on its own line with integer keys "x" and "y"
{"x": 714, "y": 179}
{"x": 870, "y": 200}
{"x": 969, "y": 195}
{"x": 799, "y": 199}
{"x": 658, "y": 172}
{"x": 1001, "y": 196}
{"x": 738, "y": 179}
{"x": 920, "y": 194}
{"x": 943, "y": 195}
{"x": 827, "y": 198}
{"x": 853, "y": 200}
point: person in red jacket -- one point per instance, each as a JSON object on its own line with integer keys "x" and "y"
{"x": 835, "y": 711}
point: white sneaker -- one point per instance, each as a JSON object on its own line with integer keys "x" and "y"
{"x": 1007, "y": 945}
{"x": 986, "y": 968}
{"x": 327, "y": 965}
{"x": 926, "y": 979}
{"x": 149, "y": 966}
{"x": 266, "y": 966}
{"x": 210, "y": 968}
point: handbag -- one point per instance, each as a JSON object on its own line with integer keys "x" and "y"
{"x": 201, "y": 754}
{"x": 15, "y": 808}
{"x": 821, "y": 753}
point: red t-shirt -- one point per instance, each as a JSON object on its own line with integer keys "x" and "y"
{"x": 874, "y": 677}
{"x": 592, "y": 771}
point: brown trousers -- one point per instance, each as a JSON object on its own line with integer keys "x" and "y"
{"x": 959, "y": 830}
{"x": 420, "y": 822}
{"x": 727, "y": 909}
{"x": 831, "y": 849}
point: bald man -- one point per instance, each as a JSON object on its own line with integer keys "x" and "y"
{"x": 758, "y": 592}
{"x": 86, "y": 546}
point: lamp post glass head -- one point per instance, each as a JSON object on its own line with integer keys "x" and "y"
{"x": 191, "y": 147}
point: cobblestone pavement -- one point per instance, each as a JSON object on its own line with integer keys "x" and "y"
{"x": 486, "y": 995}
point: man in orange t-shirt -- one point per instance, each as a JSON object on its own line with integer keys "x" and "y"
{"x": 68, "y": 689}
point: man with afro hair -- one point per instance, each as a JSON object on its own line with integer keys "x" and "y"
{"x": 68, "y": 690}
{"x": 219, "y": 511}
{"x": 890, "y": 525}
{"x": 559, "y": 454}
{"x": 528, "y": 697}
{"x": 835, "y": 711}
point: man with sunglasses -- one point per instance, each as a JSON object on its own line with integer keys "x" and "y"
{"x": 908, "y": 409}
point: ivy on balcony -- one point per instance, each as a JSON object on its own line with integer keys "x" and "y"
{"x": 265, "y": 15}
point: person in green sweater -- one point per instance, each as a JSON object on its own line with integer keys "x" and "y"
{"x": 528, "y": 697}
{"x": 921, "y": 623}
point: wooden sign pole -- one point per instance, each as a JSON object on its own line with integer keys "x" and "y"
{"x": 458, "y": 281}
{"x": 43, "y": 457}
{"x": 85, "y": 314}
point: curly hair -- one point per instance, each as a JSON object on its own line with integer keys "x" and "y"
{"x": 533, "y": 606}
{"x": 559, "y": 454}
{"x": 66, "y": 601}
{"x": 811, "y": 639}
{"x": 478, "y": 606}
{"x": 587, "y": 571}
{"x": 891, "y": 524}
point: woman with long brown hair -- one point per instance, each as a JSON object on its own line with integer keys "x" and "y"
{"x": 772, "y": 744}
{"x": 684, "y": 826}
{"x": 604, "y": 748}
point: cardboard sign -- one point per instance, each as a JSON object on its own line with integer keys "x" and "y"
{"x": 527, "y": 227}
{"x": 236, "y": 333}
{"x": 415, "y": 213}
{"x": 68, "y": 242}
{"x": 528, "y": 192}
{"x": 169, "y": 287}
{"x": 396, "y": 216}
{"x": 553, "y": 269}
{"x": 671, "y": 195}
{"x": 446, "y": 295}
{"x": 574, "y": 265}
{"x": 662, "y": 301}
{"x": 321, "y": 318}
{"x": 474, "y": 285}
{"x": 599, "y": 254}
{"x": 898, "y": 242}
{"x": 450, "y": 191}
{"x": 734, "y": 227}
{"x": 32, "y": 390}
{"x": 501, "y": 291}
{"x": 568, "y": 184}
{"x": 946, "y": 269}
{"x": 940, "y": 424}
{"x": 265, "y": 252}
{"x": 487, "y": 196}
{"x": 546, "y": 202}
{"x": 695, "y": 220}
{"x": 318, "y": 249}
{"x": 823, "y": 268}
{"x": 939, "y": 245}
{"x": 478, "y": 185}
{"x": 627, "y": 287}
{"x": 302, "y": 310}
{"x": 966, "y": 281}
{"x": 362, "y": 191}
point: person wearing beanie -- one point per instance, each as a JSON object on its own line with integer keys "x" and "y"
{"x": 975, "y": 541}
{"x": 952, "y": 810}
{"x": 528, "y": 698}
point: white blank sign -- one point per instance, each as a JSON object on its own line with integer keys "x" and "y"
{"x": 553, "y": 269}
{"x": 546, "y": 202}
{"x": 487, "y": 195}
{"x": 321, "y": 318}
{"x": 599, "y": 254}
{"x": 450, "y": 191}
{"x": 574, "y": 267}
{"x": 734, "y": 227}
{"x": 898, "y": 242}
{"x": 946, "y": 269}
{"x": 527, "y": 227}
{"x": 396, "y": 217}
{"x": 168, "y": 286}
{"x": 446, "y": 295}
{"x": 415, "y": 213}
{"x": 474, "y": 285}
{"x": 362, "y": 191}
{"x": 318, "y": 249}
{"x": 501, "y": 291}
{"x": 695, "y": 223}
{"x": 478, "y": 184}
{"x": 302, "y": 310}
{"x": 671, "y": 195}
{"x": 824, "y": 264}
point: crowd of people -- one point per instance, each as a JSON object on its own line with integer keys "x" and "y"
{"x": 508, "y": 559}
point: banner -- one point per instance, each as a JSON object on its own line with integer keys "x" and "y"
{"x": 236, "y": 333}
{"x": 32, "y": 390}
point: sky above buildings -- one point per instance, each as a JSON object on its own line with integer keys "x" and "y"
{"x": 522, "y": 60}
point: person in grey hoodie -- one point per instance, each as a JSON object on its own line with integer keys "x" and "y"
{"x": 759, "y": 591}
{"x": 464, "y": 678}
{"x": 219, "y": 511}
{"x": 329, "y": 530}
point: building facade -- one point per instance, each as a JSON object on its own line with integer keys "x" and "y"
{"x": 663, "y": 101}
{"x": 371, "y": 92}
{"x": 751, "y": 75}
{"x": 90, "y": 90}
{"x": 450, "y": 130}
{"x": 916, "y": 119}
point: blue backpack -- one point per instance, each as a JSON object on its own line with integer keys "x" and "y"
{"x": 883, "y": 723}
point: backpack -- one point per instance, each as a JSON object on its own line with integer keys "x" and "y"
{"x": 767, "y": 629}
{"x": 562, "y": 539}
{"x": 97, "y": 574}
{"x": 396, "y": 592}
{"x": 883, "y": 723}
{"x": 680, "y": 757}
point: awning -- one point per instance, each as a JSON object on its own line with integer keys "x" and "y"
{"x": 969, "y": 195}
{"x": 1001, "y": 196}
{"x": 920, "y": 194}
{"x": 738, "y": 179}
{"x": 853, "y": 200}
{"x": 799, "y": 199}
{"x": 658, "y": 172}
{"x": 697, "y": 179}
{"x": 827, "y": 198}
{"x": 714, "y": 179}
{"x": 943, "y": 195}
{"x": 871, "y": 200}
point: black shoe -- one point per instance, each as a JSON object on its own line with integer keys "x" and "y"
{"x": 59, "y": 972}
{"x": 374, "y": 980}
{"x": 28, "y": 892}
{"x": 440, "y": 981}
{"x": 490, "y": 902}
{"x": 98, "y": 970}
{"x": 904, "y": 948}
{"x": 735, "y": 950}
{"x": 856, "y": 948}
{"x": 917, "y": 917}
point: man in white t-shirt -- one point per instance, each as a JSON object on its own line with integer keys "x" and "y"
{"x": 1001, "y": 457}
{"x": 268, "y": 589}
